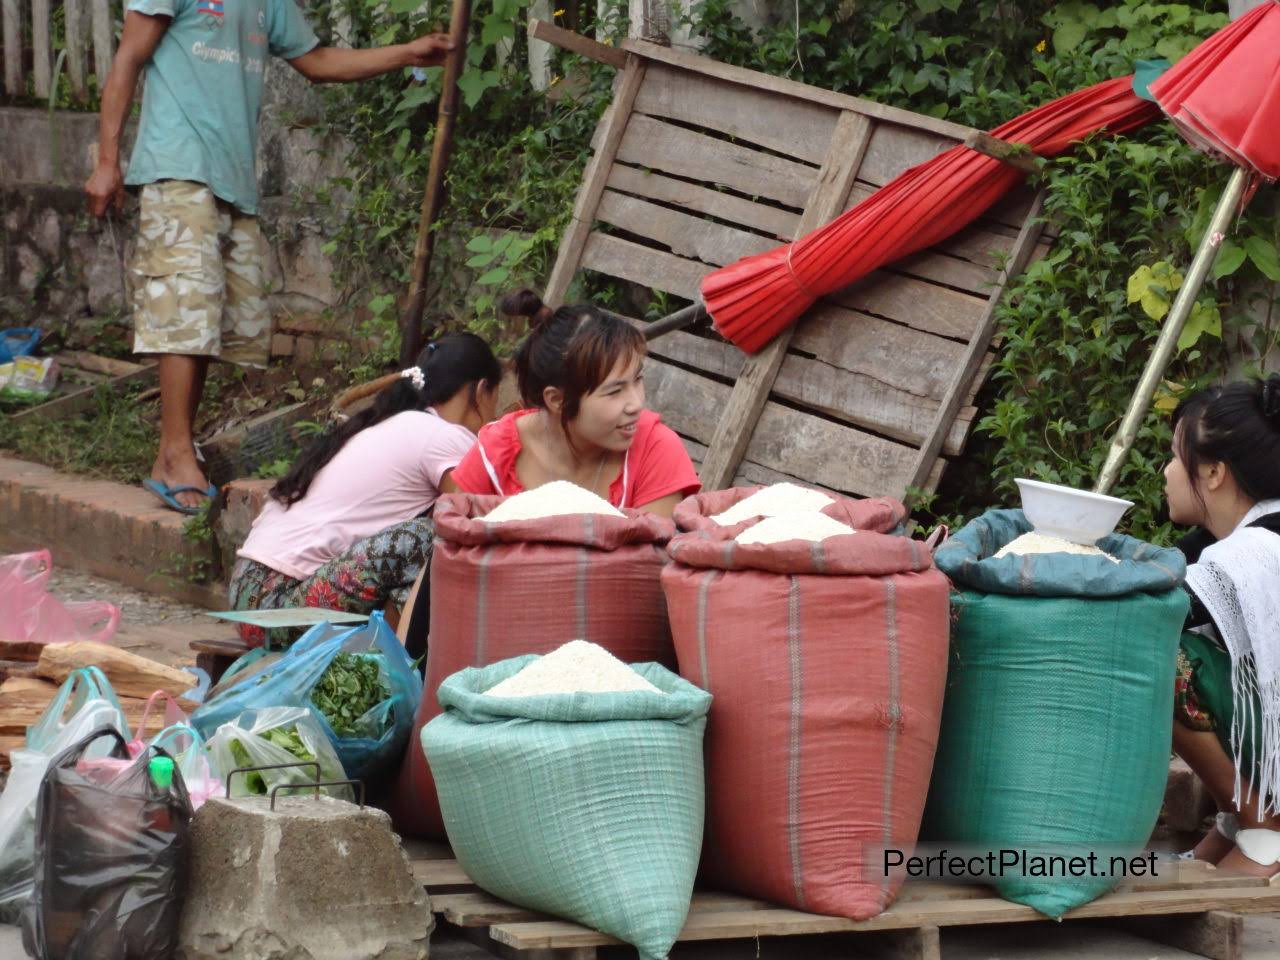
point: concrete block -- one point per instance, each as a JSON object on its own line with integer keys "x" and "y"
{"x": 317, "y": 879}
{"x": 1186, "y": 801}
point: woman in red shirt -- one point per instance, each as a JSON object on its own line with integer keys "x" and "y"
{"x": 581, "y": 379}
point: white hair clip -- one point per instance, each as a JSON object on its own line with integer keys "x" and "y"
{"x": 416, "y": 375}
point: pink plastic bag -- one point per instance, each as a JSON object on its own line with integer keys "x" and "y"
{"x": 29, "y": 613}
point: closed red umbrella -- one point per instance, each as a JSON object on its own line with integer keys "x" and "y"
{"x": 1224, "y": 98}
{"x": 754, "y": 299}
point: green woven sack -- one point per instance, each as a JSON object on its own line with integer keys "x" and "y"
{"x": 1058, "y": 717}
{"x": 586, "y": 806}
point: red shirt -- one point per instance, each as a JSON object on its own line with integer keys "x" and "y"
{"x": 656, "y": 464}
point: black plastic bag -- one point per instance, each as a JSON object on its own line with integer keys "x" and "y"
{"x": 111, "y": 857}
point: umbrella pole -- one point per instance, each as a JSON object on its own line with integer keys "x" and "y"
{"x": 1169, "y": 333}
{"x": 433, "y": 195}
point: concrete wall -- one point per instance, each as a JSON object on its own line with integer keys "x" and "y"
{"x": 60, "y": 268}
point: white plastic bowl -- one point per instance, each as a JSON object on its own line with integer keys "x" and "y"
{"x": 1075, "y": 515}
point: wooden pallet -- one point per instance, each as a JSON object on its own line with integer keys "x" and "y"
{"x": 1193, "y": 907}
{"x": 697, "y": 164}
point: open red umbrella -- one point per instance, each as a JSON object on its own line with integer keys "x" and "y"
{"x": 1224, "y": 98}
{"x": 754, "y": 299}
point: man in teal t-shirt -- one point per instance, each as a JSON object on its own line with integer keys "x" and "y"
{"x": 196, "y": 283}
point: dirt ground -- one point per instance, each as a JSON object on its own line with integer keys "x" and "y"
{"x": 151, "y": 626}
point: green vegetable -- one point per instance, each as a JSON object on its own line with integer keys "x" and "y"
{"x": 352, "y": 686}
{"x": 284, "y": 737}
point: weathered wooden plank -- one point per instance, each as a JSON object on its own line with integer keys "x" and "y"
{"x": 441, "y": 876}
{"x": 792, "y": 88}
{"x": 916, "y": 303}
{"x": 83, "y": 360}
{"x": 978, "y": 344}
{"x": 577, "y": 43}
{"x": 610, "y": 130}
{"x": 81, "y": 400}
{"x": 780, "y": 922}
{"x": 1214, "y": 934}
{"x": 657, "y": 145}
{"x": 41, "y": 50}
{"x": 778, "y": 223}
{"x": 77, "y": 47}
{"x": 644, "y": 265}
{"x": 896, "y": 147}
{"x": 775, "y": 121}
{"x": 686, "y": 236}
{"x": 751, "y": 474}
{"x": 734, "y": 432}
{"x": 103, "y": 40}
{"x": 11, "y": 22}
{"x": 862, "y": 398}
{"x": 784, "y": 440}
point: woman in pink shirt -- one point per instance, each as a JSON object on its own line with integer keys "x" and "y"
{"x": 348, "y": 527}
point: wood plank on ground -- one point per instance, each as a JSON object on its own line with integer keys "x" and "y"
{"x": 78, "y": 401}
{"x": 782, "y": 922}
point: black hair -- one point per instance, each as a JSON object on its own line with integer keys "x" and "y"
{"x": 573, "y": 349}
{"x": 1239, "y": 425}
{"x": 448, "y": 365}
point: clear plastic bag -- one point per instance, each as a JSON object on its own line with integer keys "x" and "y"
{"x": 92, "y": 706}
{"x": 112, "y": 853}
{"x": 378, "y": 738}
{"x": 256, "y": 738}
{"x": 28, "y": 613}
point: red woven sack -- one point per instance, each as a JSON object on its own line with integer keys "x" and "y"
{"x": 826, "y": 663}
{"x": 501, "y": 590}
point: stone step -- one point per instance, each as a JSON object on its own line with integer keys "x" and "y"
{"x": 107, "y": 529}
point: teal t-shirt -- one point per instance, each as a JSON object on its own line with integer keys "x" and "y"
{"x": 204, "y": 91}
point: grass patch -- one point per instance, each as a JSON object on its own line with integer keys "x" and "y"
{"x": 114, "y": 440}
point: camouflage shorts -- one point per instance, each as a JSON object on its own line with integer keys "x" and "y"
{"x": 196, "y": 279}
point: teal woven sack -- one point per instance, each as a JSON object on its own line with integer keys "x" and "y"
{"x": 1058, "y": 716}
{"x": 585, "y": 806}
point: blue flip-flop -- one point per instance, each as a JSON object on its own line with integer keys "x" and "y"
{"x": 168, "y": 494}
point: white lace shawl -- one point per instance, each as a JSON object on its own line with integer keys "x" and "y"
{"x": 1238, "y": 581}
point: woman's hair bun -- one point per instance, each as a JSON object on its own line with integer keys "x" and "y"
{"x": 526, "y": 303}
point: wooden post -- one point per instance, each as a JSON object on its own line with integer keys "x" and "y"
{"x": 433, "y": 195}
{"x": 751, "y": 391}
{"x": 41, "y": 52}
{"x": 103, "y": 41}
{"x": 11, "y": 18}
{"x": 77, "y": 47}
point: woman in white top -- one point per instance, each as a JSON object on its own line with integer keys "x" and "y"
{"x": 1225, "y": 479}
{"x": 347, "y": 528}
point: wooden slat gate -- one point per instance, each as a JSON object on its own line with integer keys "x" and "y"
{"x": 697, "y": 164}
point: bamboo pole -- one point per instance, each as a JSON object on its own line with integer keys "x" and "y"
{"x": 433, "y": 195}
{"x": 1172, "y": 329}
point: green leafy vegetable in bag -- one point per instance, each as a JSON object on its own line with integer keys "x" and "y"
{"x": 353, "y": 685}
